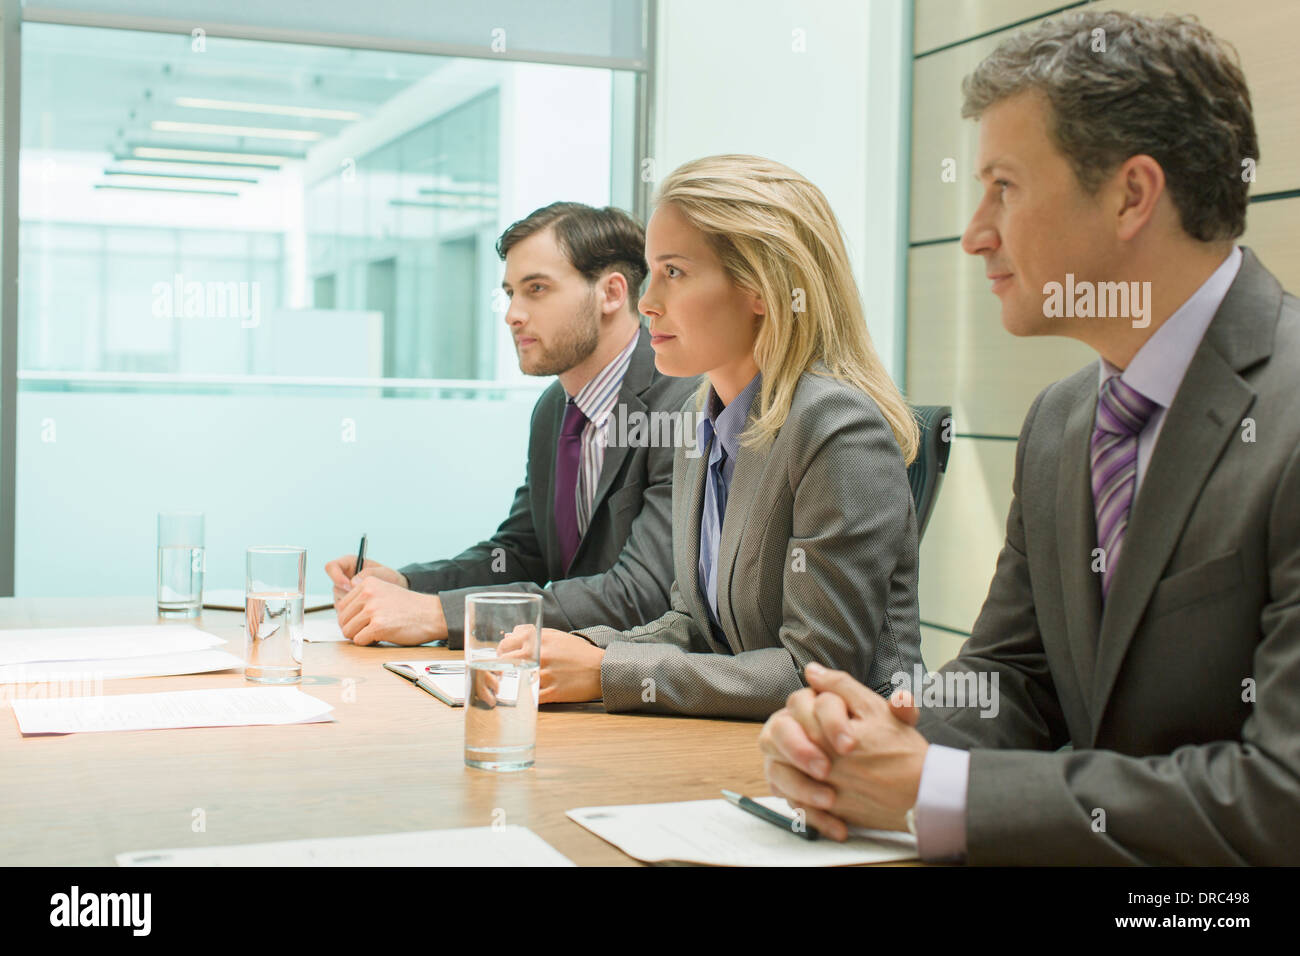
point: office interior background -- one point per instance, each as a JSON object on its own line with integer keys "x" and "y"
{"x": 333, "y": 178}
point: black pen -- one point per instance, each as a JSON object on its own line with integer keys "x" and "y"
{"x": 361, "y": 556}
{"x": 771, "y": 816}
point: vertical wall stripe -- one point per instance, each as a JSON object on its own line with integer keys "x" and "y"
{"x": 902, "y": 298}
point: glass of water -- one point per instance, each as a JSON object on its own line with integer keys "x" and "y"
{"x": 273, "y": 614}
{"x": 501, "y": 692}
{"x": 180, "y": 564}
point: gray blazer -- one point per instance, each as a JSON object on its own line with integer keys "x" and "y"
{"x": 1182, "y": 699}
{"x": 817, "y": 562}
{"x": 623, "y": 565}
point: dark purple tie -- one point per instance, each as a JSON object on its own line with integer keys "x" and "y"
{"x": 567, "y": 457}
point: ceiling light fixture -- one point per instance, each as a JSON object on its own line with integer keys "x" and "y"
{"x": 310, "y": 112}
{"x": 221, "y": 129}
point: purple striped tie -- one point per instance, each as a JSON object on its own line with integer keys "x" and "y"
{"x": 568, "y": 455}
{"x": 1122, "y": 412}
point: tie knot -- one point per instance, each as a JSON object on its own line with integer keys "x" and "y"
{"x": 1121, "y": 408}
{"x": 574, "y": 419}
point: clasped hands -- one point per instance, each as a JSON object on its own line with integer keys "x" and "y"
{"x": 844, "y": 755}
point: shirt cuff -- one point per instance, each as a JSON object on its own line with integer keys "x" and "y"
{"x": 941, "y": 804}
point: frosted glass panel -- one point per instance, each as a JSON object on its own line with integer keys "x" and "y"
{"x": 423, "y": 477}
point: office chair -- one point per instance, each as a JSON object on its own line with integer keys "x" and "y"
{"x": 925, "y": 474}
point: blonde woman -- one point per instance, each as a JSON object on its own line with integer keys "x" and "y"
{"x": 794, "y": 534}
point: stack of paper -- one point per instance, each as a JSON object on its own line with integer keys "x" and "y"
{"x": 719, "y": 833}
{"x": 237, "y": 707}
{"x": 106, "y": 653}
{"x": 474, "y": 846}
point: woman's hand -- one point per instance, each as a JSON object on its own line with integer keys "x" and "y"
{"x": 570, "y": 665}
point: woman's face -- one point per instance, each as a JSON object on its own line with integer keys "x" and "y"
{"x": 700, "y": 322}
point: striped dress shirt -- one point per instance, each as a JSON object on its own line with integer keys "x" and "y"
{"x": 597, "y": 399}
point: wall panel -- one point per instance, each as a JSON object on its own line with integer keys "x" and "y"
{"x": 966, "y": 531}
{"x": 959, "y": 354}
{"x": 1273, "y": 231}
{"x": 940, "y": 22}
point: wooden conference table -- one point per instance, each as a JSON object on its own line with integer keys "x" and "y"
{"x": 391, "y": 761}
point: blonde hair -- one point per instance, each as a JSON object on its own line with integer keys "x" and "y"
{"x": 777, "y": 237}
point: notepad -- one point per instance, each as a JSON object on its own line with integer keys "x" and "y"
{"x": 447, "y": 687}
{"x": 234, "y": 707}
{"x": 433, "y": 677}
{"x": 718, "y": 833}
{"x": 471, "y": 846}
{"x": 100, "y": 643}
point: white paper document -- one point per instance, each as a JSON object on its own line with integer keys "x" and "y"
{"x": 718, "y": 833}
{"x": 324, "y": 630}
{"x": 317, "y": 630}
{"x": 473, "y": 846}
{"x": 100, "y": 643}
{"x": 232, "y": 599}
{"x": 89, "y": 672}
{"x": 236, "y": 707}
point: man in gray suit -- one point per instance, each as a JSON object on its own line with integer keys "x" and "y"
{"x": 590, "y": 528}
{"x": 1145, "y": 608}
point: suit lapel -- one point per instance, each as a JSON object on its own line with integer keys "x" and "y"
{"x": 746, "y": 478}
{"x": 1206, "y": 413}
{"x": 1076, "y": 527}
{"x": 690, "y": 506}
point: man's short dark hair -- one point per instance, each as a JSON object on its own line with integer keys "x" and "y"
{"x": 1122, "y": 85}
{"x": 595, "y": 241}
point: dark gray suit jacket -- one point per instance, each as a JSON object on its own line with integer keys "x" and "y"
{"x": 817, "y": 562}
{"x": 622, "y": 569}
{"x": 1182, "y": 699}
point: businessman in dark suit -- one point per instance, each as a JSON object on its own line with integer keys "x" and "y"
{"x": 591, "y": 526}
{"x": 1145, "y": 608}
